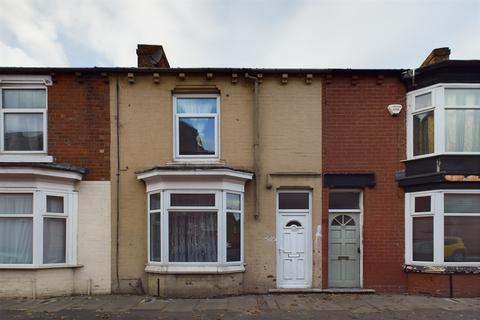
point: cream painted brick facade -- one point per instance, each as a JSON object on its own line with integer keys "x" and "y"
{"x": 290, "y": 136}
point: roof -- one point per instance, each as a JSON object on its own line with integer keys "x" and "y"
{"x": 55, "y": 166}
{"x": 43, "y": 70}
{"x": 190, "y": 167}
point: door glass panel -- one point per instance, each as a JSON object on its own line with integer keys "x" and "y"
{"x": 293, "y": 223}
{"x": 293, "y": 200}
{"x": 344, "y": 200}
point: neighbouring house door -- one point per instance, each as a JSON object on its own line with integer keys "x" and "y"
{"x": 344, "y": 250}
{"x": 294, "y": 268}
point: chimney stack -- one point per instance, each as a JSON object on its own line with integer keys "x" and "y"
{"x": 436, "y": 56}
{"x": 151, "y": 56}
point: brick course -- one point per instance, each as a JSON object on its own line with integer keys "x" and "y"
{"x": 79, "y": 123}
{"x": 360, "y": 136}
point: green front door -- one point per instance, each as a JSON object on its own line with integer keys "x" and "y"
{"x": 344, "y": 250}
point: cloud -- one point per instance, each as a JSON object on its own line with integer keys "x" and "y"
{"x": 227, "y": 33}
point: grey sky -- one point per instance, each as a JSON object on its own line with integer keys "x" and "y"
{"x": 228, "y": 33}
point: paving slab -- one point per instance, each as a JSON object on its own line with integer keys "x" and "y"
{"x": 120, "y": 303}
{"x": 242, "y": 304}
{"x": 150, "y": 303}
{"x": 185, "y": 305}
{"x": 212, "y": 304}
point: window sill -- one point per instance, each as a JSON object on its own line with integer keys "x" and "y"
{"x": 194, "y": 269}
{"x": 17, "y": 157}
{"x": 443, "y": 269}
{"x": 53, "y": 266}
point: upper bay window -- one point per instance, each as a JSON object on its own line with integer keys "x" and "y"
{"x": 444, "y": 119}
{"x": 196, "y": 127}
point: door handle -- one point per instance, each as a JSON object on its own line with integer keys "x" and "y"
{"x": 294, "y": 255}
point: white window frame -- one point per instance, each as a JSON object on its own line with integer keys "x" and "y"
{"x": 38, "y": 215}
{"x": 219, "y": 208}
{"x": 438, "y": 106}
{"x": 43, "y": 111}
{"x": 437, "y": 212}
{"x": 176, "y": 118}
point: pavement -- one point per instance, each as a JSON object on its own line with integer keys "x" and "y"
{"x": 276, "y": 306}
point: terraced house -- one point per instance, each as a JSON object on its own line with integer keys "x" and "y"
{"x": 196, "y": 182}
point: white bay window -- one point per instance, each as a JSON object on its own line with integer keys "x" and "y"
{"x": 443, "y": 119}
{"x": 443, "y": 228}
{"x": 195, "y": 220}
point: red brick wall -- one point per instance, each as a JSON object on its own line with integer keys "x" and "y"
{"x": 360, "y": 136}
{"x": 79, "y": 123}
{"x": 463, "y": 285}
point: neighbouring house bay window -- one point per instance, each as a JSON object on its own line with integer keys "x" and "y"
{"x": 196, "y": 127}
{"x": 23, "y": 119}
{"x": 443, "y": 227}
{"x": 195, "y": 228}
{"x": 444, "y": 119}
{"x": 34, "y": 228}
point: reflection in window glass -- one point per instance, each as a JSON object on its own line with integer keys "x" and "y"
{"x": 54, "y": 240}
{"x": 423, "y": 239}
{"x": 24, "y": 98}
{"x": 155, "y": 229}
{"x": 196, "y": 136}
{"x": 155, "y": 201}
{"x": 423, "y": 133}
{"x": 462, "y": 203}
{"x": 192, "y": 236}
{"x": 423, "y": 101}
{"x": 192, "y": 199}
{"x": 233, "y": 201}
{"x": 233, "y": 236}
{"x": 344, "y": 200}
{"x": 462, "y": 130}
{"x": 423, "y": 204}
{"x": 23, "y": 131}
{"x": 293, "y": 200}
{"x": 462, "y": 97}
{"x": 462, "y": 239}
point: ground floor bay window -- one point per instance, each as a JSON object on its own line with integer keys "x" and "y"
{"x": 443, "y": 228}
{"x": 37, "y": 218}
{"x": 195, "y": 223}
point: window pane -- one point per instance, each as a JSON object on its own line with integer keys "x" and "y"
{"x": 462, "y": 239}
{"x": 462, "y": 203}
{"x": 462, "y": 97}
{"x": 233, "y": 201}
{"x": 196, "y": 136}
{"x": 55, "y": 204}
{"x": 16, "y": 238}
{"x": 423, "y": 204}
{"x": 54, "y": 240}
{"x": 16, "y": 203}
{"x": 192, "y": 236}
{"x": 24, "y": 98}
{"x": 293, "y": 200}
{"x": 192, "y": 199}
{"x": 423, "y": 239}
{"x": 462, "y": 130}
{"x": 423, "y": 100}
{"x": 23, "y": 131}
{"x": 423, "y": 133}
{"x": 234, "y": 241}
{"x": 344, "y": 200}
{"x": 155, "y": 201}
{"x": 196, "y": 105}
{"x": 155, "y": 229}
